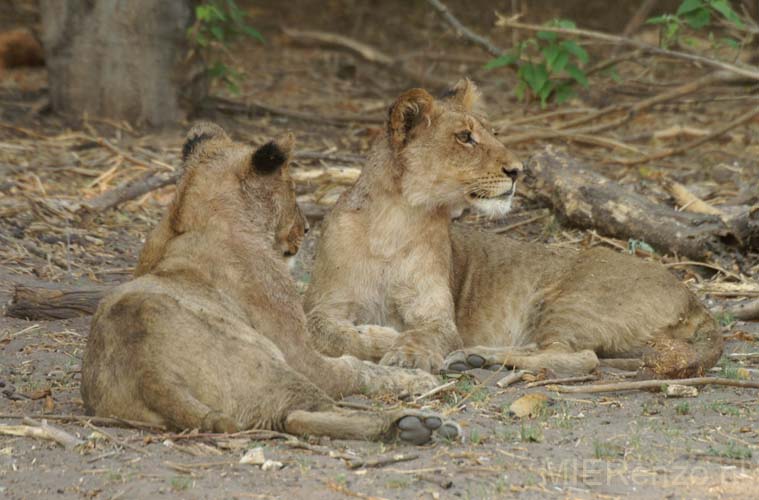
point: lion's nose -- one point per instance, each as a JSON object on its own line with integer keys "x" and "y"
{"x": 511, "y": 172}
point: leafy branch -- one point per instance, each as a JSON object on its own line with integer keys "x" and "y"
{"x": 547, "y": 65}
{"x": 217, "y": 24}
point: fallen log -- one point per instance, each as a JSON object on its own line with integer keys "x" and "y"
{"x": 53, "y": 302}
{"x": 588, "y": 200}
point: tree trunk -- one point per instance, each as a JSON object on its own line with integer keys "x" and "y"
{"x": 121, "y": 59}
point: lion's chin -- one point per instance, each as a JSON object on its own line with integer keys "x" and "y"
{"x": 493, "y": 207}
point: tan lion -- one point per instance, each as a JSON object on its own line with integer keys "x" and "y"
{"x": 390, "y": 261}
{"x": 211, "y": 333}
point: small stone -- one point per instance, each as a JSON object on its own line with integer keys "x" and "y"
{"x": 254, "y": 456}
{"x": 272, "y": 465}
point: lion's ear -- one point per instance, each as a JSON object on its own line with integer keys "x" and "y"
{"x": 407, "y": 112}
{"x": 465, "y": 94}
{"x": 273, "y": 155}
{"x": 199, "y": 133}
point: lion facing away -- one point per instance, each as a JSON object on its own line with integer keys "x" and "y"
{"x": 391, "y": 261}
{"x": 211, "y": 333}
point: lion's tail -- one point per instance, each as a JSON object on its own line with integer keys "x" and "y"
{"x": 337, "y": 338}
{"x": 682, "y": 356}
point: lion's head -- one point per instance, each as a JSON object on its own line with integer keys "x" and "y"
{"x": 227, "y": 182}
{"x": 447, "y": 155}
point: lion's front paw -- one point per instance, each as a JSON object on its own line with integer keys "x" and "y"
{"x": 406, "y": 357}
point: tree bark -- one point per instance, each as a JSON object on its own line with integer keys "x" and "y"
{"x": 589, "y": 200}
{"x": 121, "y": 59}
{"x": 48, "y": 303}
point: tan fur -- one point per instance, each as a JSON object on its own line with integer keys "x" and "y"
{"x": 391, "y": 261}
{"x": 211, "y": 333}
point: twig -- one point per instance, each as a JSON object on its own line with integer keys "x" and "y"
{"x": 111, "y": 422}
{"x": 126, "y": 191}
{"x": 382, "y": 461}
{"x": 706, "y": 265}
{"x": 511, "y": 378}
{"x": 571, "y": 135}
{"x": 637, "y": 19}
{"x": 621, "y": 40}
{"x": 740, "y": 120}
{"x": 364, "y": 51}
{"x": 114, "y": 439}
{"x": 743, "y": 355}
{"x": 41, "y": 430}
{"x": 506, "y": 229}
{"x": 321, "y": 450}
{"x": 436, "y": 390}
{"x": 567, "y": 380}
{"x": 251, "y": 106}
{"x": 463, "y": 30}
{"x": 653, "y": 385}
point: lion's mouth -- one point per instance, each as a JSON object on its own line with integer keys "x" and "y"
{"x": 503, "y": 196}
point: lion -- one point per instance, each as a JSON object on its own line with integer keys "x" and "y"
{"x": 211, "y": 333}
{"x": 396, "y": 281}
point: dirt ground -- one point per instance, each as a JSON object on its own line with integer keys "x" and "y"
{"x": 622, "y": 444}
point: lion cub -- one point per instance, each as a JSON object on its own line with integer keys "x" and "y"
{"x": 390, "y": 261}
{"x": 211, "y": 333}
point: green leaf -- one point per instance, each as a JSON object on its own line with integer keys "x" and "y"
{"x": 614, "y": 74}
{"x": 565, "y": 24}
{"x": 578, "y": 75}
{"x": 544, "y": 93}
{"x": 218, "y": 70}
{"x": 733, "y": 44}
{"x": 561, "y": 62}
{"x": 548, "y": 36}
{"x": 697, "y": 19}
{"x": 253, "y": 33}
{"x": 202, "y": 13}
{"x": 535, "y": 75}
{"x": 550, "y": 54}
{"x": 563, "y": 92}
{"x": 502, "y": 60}
{"x": 689, "y": 6}
{"x": 723, "y": 7}
{"x": 577, "y": 51}
{"x": 217, "y": 32}
{"x": 666, "y": 18}
{"x": 519, "y": 91}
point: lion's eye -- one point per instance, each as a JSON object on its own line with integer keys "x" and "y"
{"x": 465, "y": 137}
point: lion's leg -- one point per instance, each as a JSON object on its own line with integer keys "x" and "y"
{"x": 560, "y": 360}
{"x": 335, "y": 337}
{"x": 407, "y": 425}
{"x": 373, "y": 379}
{"x": 179, "y": 408}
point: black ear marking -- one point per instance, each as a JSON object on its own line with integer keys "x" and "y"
{"x": 268, "y": 158}
{"x": 191, "y": 143}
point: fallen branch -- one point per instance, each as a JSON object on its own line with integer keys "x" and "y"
{"x": 656, "y": 385}
{"x": 252, "y": 106}
{"x": 745, "y": 71}
{"x": 745, "y": 310}
{"x": 53, "y": 302}
{"x": 382, "y": 461}
{"x": 740, "y": 120}
{"x": 463, "y": 30}
{"x": 41, "y": 430}
{"x": 366, "y": 52}
{"x": 589, "y": 200}
{"x": 689, "y": 201}
{"x": 126, "y": 191}
{"x": 103, "y": 421}
{"x": 554, "y": 381}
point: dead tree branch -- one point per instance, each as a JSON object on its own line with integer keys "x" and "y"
{"x": 746, "y": 71}
{"x": 463, "y": 30}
